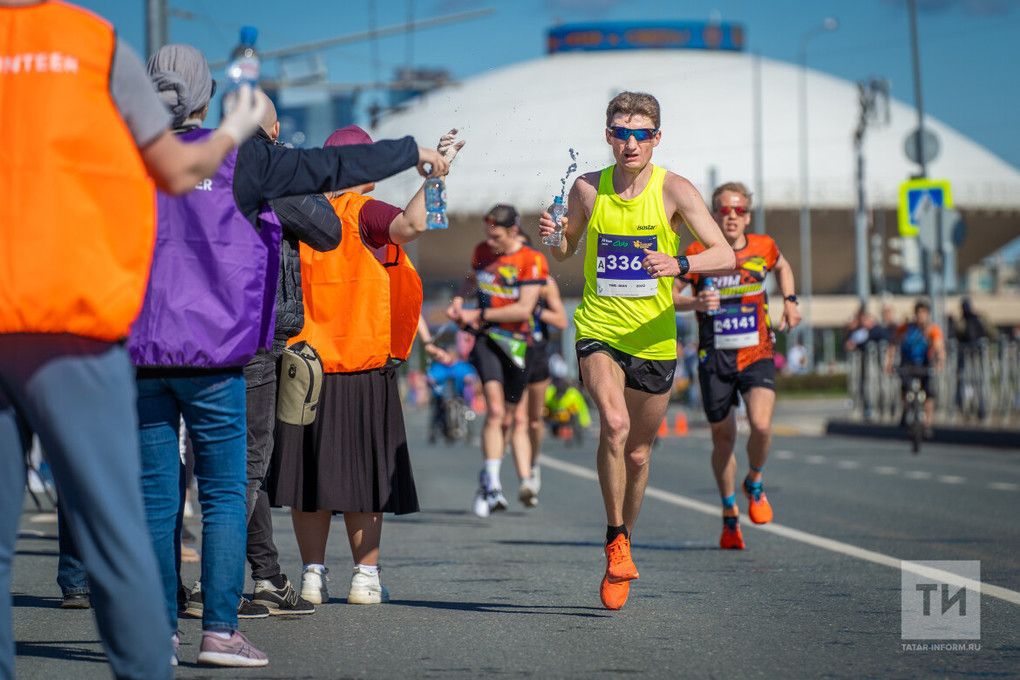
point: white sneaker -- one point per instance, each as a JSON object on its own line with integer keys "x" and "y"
{"x": 536, "y": 478}
{"x": 481, "y": 504}
{"x": 527, "y": 493}
{"x": 366, "y": 589}
{"x": 313, "y": 584}
{"x": 497, "y": 501}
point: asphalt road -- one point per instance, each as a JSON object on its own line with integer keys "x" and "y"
{"x": 516, "y": 595}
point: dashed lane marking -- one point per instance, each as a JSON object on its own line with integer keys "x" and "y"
{"x": 952, "y": 479}
{"x": 884, "y": 470}
{"x": 1004, "y": 486}
{"x": 998, "y": 592}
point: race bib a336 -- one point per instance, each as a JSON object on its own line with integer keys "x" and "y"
{"x": 736, "y": 326}
{"x": 618, "y": 270}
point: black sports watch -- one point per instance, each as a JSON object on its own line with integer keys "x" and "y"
{"x": 792, "y": 298}
{"x": 685, "y": 266}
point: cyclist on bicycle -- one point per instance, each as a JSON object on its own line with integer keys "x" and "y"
{"x": 449, "y": 378}
{"x": 922, "y": 350}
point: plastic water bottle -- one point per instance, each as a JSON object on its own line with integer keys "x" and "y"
{"x": 245, "y": 66}
{"x": 435, "y": 204}
{"x": 556, "y": 212}
{"x": 710, "y": 288}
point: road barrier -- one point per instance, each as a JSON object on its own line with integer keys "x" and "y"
{"x": 978, "y": 385}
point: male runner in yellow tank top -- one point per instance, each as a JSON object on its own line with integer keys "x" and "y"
{"x": 626, "y": 329}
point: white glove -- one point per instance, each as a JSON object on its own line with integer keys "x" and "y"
{"x": 243, "y": 112}
{"x": 449, "y": 146}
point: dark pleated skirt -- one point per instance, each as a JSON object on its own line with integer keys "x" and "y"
{"x": 354, "y": 457}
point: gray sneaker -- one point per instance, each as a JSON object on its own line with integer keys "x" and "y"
{"x": 283, "y": 600}
{"x": 245, "y": 608}
{"x": 235, "y": 651}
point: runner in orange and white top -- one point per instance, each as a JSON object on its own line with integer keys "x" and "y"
{"x": 736, "y": 350}
{"x": 508, "y": 277}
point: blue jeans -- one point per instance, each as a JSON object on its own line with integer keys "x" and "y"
{"x": 70, "y": 569}
{"x": 78, "y": 396}
{"x": 213, "y": 406}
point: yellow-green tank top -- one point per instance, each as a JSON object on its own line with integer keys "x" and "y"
{"x": 622, "y": 305}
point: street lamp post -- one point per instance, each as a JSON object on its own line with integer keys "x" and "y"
{"x": 829, "y": 24}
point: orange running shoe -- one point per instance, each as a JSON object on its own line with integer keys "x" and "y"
{"x": 758, "y": 508}
{"x": 614, "y": 595}
{"x": 619, "y": 565}
{"x": 731, "y": 538}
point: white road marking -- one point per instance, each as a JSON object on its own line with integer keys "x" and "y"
{"x": 783, "y": 455}
{"x": 815, "y": 460}
{"x": 848, "y": 465}
{"x": 803, "y": 536}
{"x": 1004, "y": 486}
{"x": 44, "y": 518}
{"x": 885, "y": 470}
{"x": 952, "y": 479}
{"x": 918, "y": 474}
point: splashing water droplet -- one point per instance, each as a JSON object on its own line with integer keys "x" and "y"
{"x": 570, "y": 171}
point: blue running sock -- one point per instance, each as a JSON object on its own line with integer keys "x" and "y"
{"x": 756, "y": 469}
{"x": 731, "y": 523}
{"x": 729, "y": 501}
{"x": 753, "y": 489}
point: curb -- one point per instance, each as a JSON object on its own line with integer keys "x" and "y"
{"x": 972, "y": 436}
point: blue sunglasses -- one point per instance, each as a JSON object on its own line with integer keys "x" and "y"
{"x": 639, "y": 135}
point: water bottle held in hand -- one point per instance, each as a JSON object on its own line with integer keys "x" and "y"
{"x": 435, "y": 204}
{"x": 710, "y": 288}
{"x": 556, "y": 212}
{"x": 245, "y": 66}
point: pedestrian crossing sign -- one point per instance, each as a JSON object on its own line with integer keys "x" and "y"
{"x": 917, "y": 196}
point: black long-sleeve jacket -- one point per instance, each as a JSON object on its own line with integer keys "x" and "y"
{"x": 292, "y": 182}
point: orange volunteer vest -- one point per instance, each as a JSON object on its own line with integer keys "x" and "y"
{"x": 359, "y": 312}
{"x": 77, "y": 209}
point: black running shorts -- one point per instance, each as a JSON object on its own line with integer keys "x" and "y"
{"x": 536, "y": 363}
{"x": 492, "y": 363}
{"x": 719, "y": 390}
{"x": 645, "y": 375}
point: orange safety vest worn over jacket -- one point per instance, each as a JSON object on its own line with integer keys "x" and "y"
{"x": 361, "y": 306}
{"x": 77, "y": 209}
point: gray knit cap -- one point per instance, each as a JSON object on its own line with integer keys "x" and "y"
{"x": 182, "y": 79}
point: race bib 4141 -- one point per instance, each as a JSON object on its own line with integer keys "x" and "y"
{"x": 736, "y": 326}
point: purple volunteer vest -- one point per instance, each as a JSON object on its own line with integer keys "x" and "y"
{"x": 211, "y": 298}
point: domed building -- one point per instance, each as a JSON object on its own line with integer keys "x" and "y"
{"x": 521, "y": 120}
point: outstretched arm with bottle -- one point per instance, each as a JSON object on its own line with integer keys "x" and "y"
{"x": 411, "y": 223}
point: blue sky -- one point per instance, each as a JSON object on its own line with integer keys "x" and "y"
{"x": 968, "y": 47}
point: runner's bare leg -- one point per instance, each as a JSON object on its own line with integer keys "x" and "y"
{"x": 495, "y": 411}
{"x": 724, "y": 462}
{"x": 605, "y": 382}
{"x": 646, "y": 413}
{"x": 520, "y": 443}
{"x": 760, "y": 402}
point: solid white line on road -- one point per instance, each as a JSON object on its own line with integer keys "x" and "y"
{"x": 952, "y": 479}
{"x": 918, "y": 474}
{"x": 848, "y": 465}
{"x": 783, "y": 455}
{"x": 815, "y": 460}
{"x": 1004, "y": 486}
{"x": 885, "y": 470}
{"x": 803, "y": 536}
